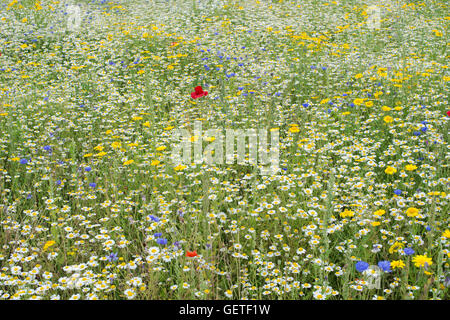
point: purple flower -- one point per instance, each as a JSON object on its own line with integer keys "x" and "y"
{"x": 362, "y": 266}
{"x": 92, "y": 184}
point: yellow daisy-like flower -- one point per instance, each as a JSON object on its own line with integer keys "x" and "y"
{"x": 358, "y": 101}
{"x": 410, "y": 167}
{"x": 412, "y": 212}
{"x": 397, "y": 264}
{"x": 155, "y": 162}
{"x": 395, "y": 247}
{"x": 390, "y": 170}
{"x": 388, "y": 119}
{"x": 116, "y": 144}
{"x": 421, "y": 260}
{"x": 446, "y": 234}
{"x": 48, "y": 244}
{"x": 347, "y": 213}
{"x": 180, "y": 167}
{"x": 128, "y": 162}
{"x": 380, "y": 212}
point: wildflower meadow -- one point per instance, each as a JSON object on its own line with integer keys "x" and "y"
{"x": 224, "y": 150}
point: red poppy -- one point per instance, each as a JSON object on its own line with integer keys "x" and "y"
{"x": 191, "y": 254}
{"x": 448, "y": 113}
{"x": 198, "y": 92}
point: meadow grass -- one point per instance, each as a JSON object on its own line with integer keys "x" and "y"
{"x": 91, "y": 206}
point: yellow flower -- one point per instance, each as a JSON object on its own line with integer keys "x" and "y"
{"x": 87, "y": 155}
{"x": 369, "y": 104}
{"x": 421, "y": 260}
{"x": 48, "y": 244}
{"x": 390, "y": 170}
{"x": 100, "y": 154}
{"x": 394, "y": 248}
{"x": 359, "y": 76}
{"x": 379, "y": 213}
{"x": 155, "y": 162}
{"x": 180, "y": 167}
{"x": 358, "y": 101}
{"x": 347, "y": 213}
{"x": 410, "y": 167}
{"x": 128, "y": 162}
{"x": 388, "y": 119}
{"x": 161, "y": 148}
{"x": 116, "y": 144}
{"x": 412, "y": 212}
{"x": 294, "y": 129}
{"x": 446, "y": 234}
{"x": 98, "y": 148}
{"x": 146, "y": 124}
{"x": 385, "y": 108}
{"x": 397, "y": 264}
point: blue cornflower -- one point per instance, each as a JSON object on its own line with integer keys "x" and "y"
{"x": 424, "y": 129}
{"x": 154, "y": 218}
{"x": 112, "y": 257}
{"x": 87, "y": 169}
{"x": 428, "y": 228}
{"x": 408, "y": 251}
{"x": 385, "y": 265}
{"x": 23, "y": 161}
{"x": 161, "y": 241}
{"x": 92, "y": 184}
{"x": 58, "y": 182}
{"x": 306, "y": 105}
{"x": 362, "y": 266}
{"x": 157, "y": 235}
{"x": 48, "y": 148}
{"x": 398, "y": 192}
